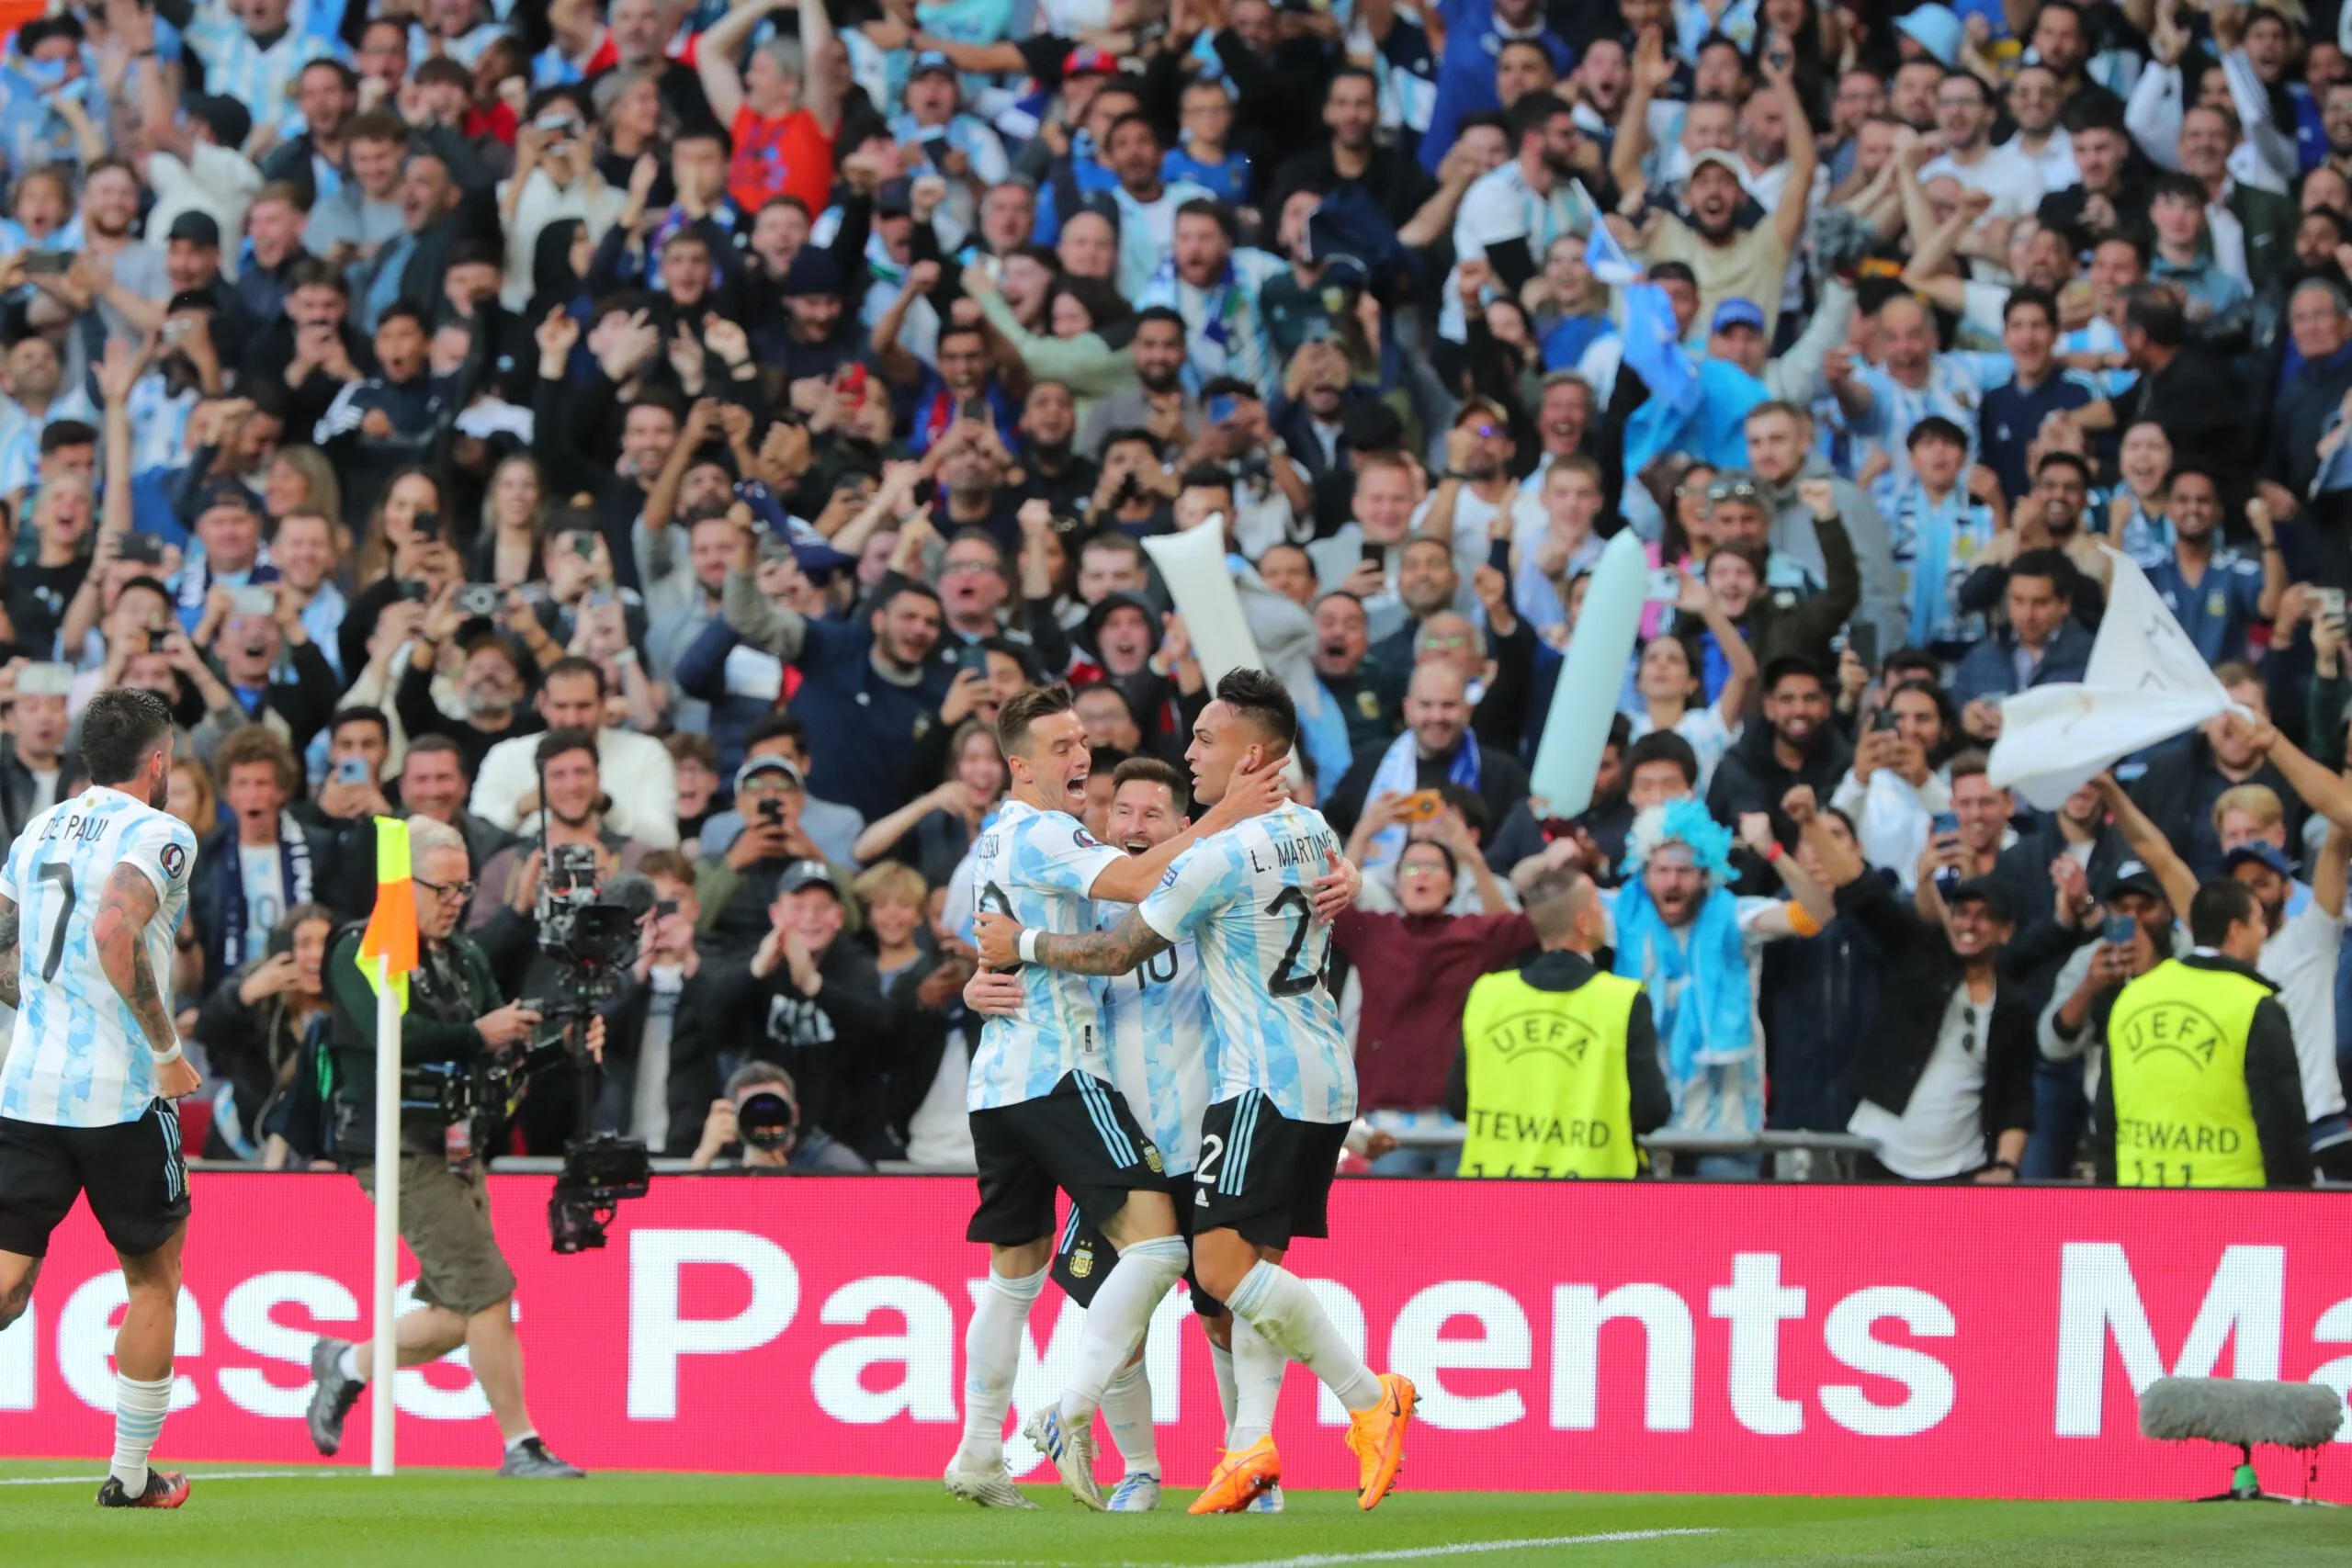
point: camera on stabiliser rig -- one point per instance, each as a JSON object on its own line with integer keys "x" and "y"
{"x": 591, "y": 940}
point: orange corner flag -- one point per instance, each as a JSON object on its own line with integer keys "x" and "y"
{"x": 391, "y": 936}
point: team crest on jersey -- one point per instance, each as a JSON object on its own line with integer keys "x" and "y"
{"x": 175, "y": 859}
{"x": 1152, "y": 1158}
{"x": 1082, "y": 1261}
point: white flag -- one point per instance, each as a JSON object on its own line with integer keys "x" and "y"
{"x": 2145, "y": 684}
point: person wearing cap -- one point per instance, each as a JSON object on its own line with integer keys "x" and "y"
{"x": 950, "y": 143}
{"x": 1945, "y": 1075}
{"x": 819, "y": 335}
{"x": 1731, "y": 263}
{"x": 2071, "y": 1030}
{"x": 831, "y": 826}
{"x": 818, "y": 997}
{"x": 2199, "y": 1086}
{"x": 781, "y": 112}
{"x": 735, "y": 879}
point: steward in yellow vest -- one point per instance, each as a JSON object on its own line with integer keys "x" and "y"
{"x": 2202, "y": 1088}
{"x": 1559, "y": 1069}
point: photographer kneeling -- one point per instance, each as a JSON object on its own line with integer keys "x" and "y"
{"x": 761, "y": 1112}
{"x": 464, "y": 1289}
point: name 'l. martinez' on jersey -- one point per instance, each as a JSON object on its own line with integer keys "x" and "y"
{"x": 1246, "y": 897}
{"x": 80, "y": 1058}
{"x": 1157, "y": 1018}
{"x": 1038, "y": 866}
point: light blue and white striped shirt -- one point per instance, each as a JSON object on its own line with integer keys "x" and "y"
{"x": 80, "y": 1058}
{"x": 1246, "y": 897}
{"x": 1158, "y": 1020}
{"x": 21, "y": 434}
{"x": 1955, "y": 388}
{"x": 235, "y": 66}
{"x": 1037, "y": 866}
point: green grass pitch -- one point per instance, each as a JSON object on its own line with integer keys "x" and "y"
{"x": 443, "y": 1519}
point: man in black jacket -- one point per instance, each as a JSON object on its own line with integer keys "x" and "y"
{"x": 1946, "y": 1076}
{"x": 1796, "y": 744}
{"x": 662, "y": 1067}
{"x": 820, "y": 1000}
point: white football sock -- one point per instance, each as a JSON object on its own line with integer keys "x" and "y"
{"x": 139, "y": 1411}
{"x": 1256, "y": 1385}
{"x": 1221, "y": 1361}
{"x": 1115, "y": 1323}
{"x": 1127, "y": 1405}
{"x": 348, "y": 1363}
{"x": 992, "y": 1357}
{"x": 1285, "y": 1313}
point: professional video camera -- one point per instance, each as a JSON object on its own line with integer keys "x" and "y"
{"x": 590, "y": 941}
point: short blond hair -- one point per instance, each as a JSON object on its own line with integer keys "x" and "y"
{"x": 892, "y": 882}
{"x": 2257, "y": 801}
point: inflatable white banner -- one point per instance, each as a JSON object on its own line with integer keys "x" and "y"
{"x": 1192, "y": 565}
{"x": 2146, "y": 684}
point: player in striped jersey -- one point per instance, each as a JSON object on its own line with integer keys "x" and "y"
{"x": 1156, "y": 1017}
{"x": 90, "y": 896}
{"x": 1286, "y": 1081}
{"x": 1043, "y": 1113}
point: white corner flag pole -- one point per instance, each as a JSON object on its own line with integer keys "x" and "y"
{"x": 386, "y": 1353}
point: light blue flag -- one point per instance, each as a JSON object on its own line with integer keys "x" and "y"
{"x": 1607, "y": 260}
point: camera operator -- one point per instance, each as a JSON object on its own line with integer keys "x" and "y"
{"x": 755, "y": 1126}
{"x": 821, "y": 998}
{"x": 464, "y": 1289}
{"x": 502, "y": 913}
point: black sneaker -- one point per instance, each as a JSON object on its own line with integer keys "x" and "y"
{"x": 332, "y": 1394}
{"x": 164, "y": 1490}
{"x": 529, "y": 1460}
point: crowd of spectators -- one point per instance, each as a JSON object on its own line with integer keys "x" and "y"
{"x": 674, "y": 428}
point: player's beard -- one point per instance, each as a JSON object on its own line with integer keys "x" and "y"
{"x": 159, "y": 793}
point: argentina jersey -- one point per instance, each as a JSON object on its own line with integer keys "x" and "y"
{"x": 1246, "y": 898}
{"x": 80, "y": 1058}
{"x": 1037, "y": 867}
{"x": 1157, "y": 1021}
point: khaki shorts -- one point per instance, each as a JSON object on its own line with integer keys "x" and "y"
{"x": 445, "y": 1219}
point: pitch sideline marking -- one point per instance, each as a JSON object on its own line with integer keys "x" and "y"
{"x": 1334, "y": 1559}
{"x": 197, "y": 1475}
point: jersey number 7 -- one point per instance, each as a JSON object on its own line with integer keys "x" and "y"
{"x": 57, "y": 871}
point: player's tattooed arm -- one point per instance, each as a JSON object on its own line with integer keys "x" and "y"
{"x": 10, "y": 939}
{"x": 118, "y": 930}
{"x": 1114, "y": 951}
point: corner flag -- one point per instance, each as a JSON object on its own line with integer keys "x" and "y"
{"x": 387, "y": 947}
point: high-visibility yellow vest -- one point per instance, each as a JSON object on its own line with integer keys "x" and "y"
{"x": 2176, "y": 1056}
{"x": 1548, "y": 1092}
